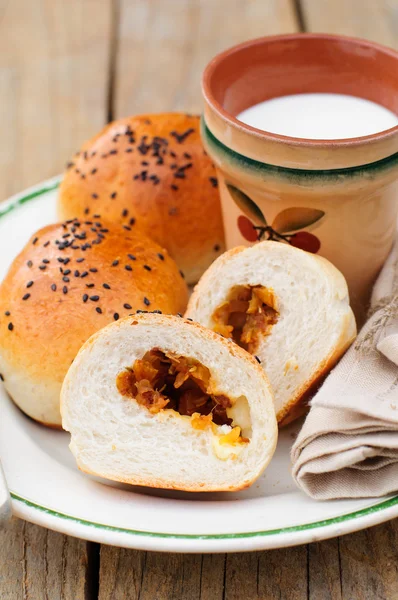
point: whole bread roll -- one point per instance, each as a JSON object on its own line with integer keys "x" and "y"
{"x": 69, "y": 281}
{"x": 160, "y": 401}
{"x": 151, "y": 172}
{"x": 288, "y": 307}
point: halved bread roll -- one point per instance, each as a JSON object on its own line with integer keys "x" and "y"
{"x": 160, "y": 401}
{"x": 288, "y": 307}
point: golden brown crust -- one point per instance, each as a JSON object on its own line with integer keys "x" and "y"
{"x": 175, "y": 485}
{"x": 135, "y": 176}
{"x": 71, "y": 280}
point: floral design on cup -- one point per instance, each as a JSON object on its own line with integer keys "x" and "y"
{"x": 284, "y": 228}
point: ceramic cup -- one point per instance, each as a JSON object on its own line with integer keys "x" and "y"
{"x": 334, "y": 197}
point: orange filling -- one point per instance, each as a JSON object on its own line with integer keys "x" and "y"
{"x": 162, "y": 380}
{"x": 247, "y": 315}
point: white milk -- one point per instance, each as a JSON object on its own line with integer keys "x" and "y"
{"x": 319, "y": 116}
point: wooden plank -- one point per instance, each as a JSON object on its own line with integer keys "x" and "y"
{"x": 54, "y": 64}
{"x": 267, "y": 575}
{"x": 163, "y": 46}
{"x": 54, "y": 68}
{"x": 148, "y": 575}
{"x": 369, "y": 563}
{"x": 376, "y": 21}
{"x": 37, "y": 563}
{"x": 324, "y": 581}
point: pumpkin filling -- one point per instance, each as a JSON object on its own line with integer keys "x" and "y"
{"x": 161, "y": 380}
{"x": 247, "y": 315}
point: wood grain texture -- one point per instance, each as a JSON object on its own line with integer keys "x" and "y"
{"x": 54, "y": 67}
{"x": 36, "y": 563}
{"x": 163, "y": 46}
{"x": 375, "y": 20}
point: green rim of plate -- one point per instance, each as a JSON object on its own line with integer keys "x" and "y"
{"x": 214, "y": 536}
{"x": 48, "y": 187}
{"x": 303, "y": 175}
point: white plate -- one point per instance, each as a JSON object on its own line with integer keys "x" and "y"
{"x": 48, "y": 489}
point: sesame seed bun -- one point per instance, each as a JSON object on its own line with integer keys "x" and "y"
{"x": 68, "y": 282}
{"x": 152, "y": 172}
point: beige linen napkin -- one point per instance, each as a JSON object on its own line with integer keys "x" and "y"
{"x": 348, "y": 446}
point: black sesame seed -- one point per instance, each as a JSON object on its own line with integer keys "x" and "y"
{"x": 216, "y": 248}
{"x": 127, "y": 306}
{"x": 213, "y": 181}
{"x": 147, "y": 267}
{"x": 131, "y": 256}
{"x": 94, "y": 298}
{"x": 93, "y": 171}
{"x": 132, "y": 221}
{"x": 66, "y": 279}
{"x": 94, "y": 196}
{"x": 42, "y": 267}
{"x": 146, "y": 301}
{"x": 174, "y": 187}
{"x": 128, "y": 267}
{"x": 257, "y": 359}
{"x": 160, "y": 256}
{"x": 182, "y": 274}
{"x": 113, "y": 152}
{"x": 90, "y": 285}
{"x": 34, "y": 241}
{"x": 128, "y": 150}
{"x": 85, "y": 297}
{"x": 116, "y": 316}
{"x": 86, "y": 211}
{"x": 54, "y": 287}
{"x": 67, "y": 272}
{"x": 157, "y": 312}
{"x": 29, "y": 284}
{"x": 1, "y": 377}
{"x": 7, "y": 313}
{"x": 65, "y": 289}
{"x": 46, "y": 244}
{"x": 99, "y": 311}
{"x": 79, "y": 260}
{"x": 26, "y": 297}
{"x": 10, "y": 326}
{"x": 113, "y": 195}
{"x": 66, "y": 260}
{"x": 179, "y": 315}
{"x": 84, "y": 274}
{"x": 93, "y": 270}
{"x": 125, "y": 212}
{"x": 189, "y": 319}
{"x": 106, "y": 286}
{"x": 76, "y": 273}
{"x": 61, "y": 260}
{"x": 115, "y": 263}
{"x": 29, "y": 263}
{"x": 45, "y": 261}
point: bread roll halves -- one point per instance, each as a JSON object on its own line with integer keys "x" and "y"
{"x": 306, "y": 322}
{"x": 115, "y": 436}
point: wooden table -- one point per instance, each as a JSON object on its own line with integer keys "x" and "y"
{"x": 68, "y": 67}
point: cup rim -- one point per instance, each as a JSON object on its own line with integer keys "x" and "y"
{"x": 275, "y": 137}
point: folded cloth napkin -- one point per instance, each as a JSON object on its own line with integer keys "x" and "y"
{"x": 348, "y": 446}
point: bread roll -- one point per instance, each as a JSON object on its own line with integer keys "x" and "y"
{"x": 162, "y": 402}
{"x": 69, "y": 281}
{"x": 151, "y": 172}
{"x": 288, "y": 307}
